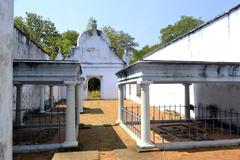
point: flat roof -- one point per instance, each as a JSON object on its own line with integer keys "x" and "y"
{"x": 46, "y": 72}
{"x": 160, "y": 71}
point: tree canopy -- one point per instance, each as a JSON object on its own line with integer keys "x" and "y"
{"x": 90, "y": 23}
{"x": 41, "y": 31}
{"x": 44, "y": 33}
{"x": 138, "y": 54}
{"x": 67, "y": 41}
{"x": 184, "y": 25}
{"x": 120, "y": 40}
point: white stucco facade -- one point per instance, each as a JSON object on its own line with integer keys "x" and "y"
{"x": 24, "y": 48}
{"x": 161, "y": 94}
{"x": 98, "y": 60}
{"x": 215, "y": 41}
{"x": 6, "y": 37}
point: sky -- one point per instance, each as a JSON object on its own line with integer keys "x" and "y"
{"x": 142, "y": 19}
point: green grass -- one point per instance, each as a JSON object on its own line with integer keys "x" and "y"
{"x": 94, "y": 94}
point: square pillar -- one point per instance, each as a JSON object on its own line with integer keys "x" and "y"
{"x": 18, "y": 119}
{"x": 81, "y": 97}
{"x": 42, "y": 98}
{"x": 78, "y": 104}
{"x": 187, "y": 100}
{"x": 120, "y": 103}
{"x": 145, "y": 116}
{"x": 70, "y": 137}
{"x": 51, "y": 96}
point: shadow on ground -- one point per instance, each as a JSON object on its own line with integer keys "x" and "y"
{"x": 33, "y": 156}
{"x": 101, "y": 138}
{"x": 198, "y": 150}
{"x": 93, "y": 111}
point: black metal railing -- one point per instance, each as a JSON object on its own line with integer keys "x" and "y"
{"x": 39, "y": 128}
{"x": 132, "y": 119}
{"x": 169, "y": 124}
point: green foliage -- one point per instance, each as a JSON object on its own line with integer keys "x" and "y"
{"x": 120, "y": 40}
{"x": 19, "y": 22}
{"x": 139, "y": 54}
{"x": 184, "y": 25}
{"x": 94, "y": 94}
{"x": 41, "y": 31}
{"x": 90, "y": 23}
{"x": 44, "y": 33}
{"x": 68, "y": 39}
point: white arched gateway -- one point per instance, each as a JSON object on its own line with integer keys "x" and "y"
{"x": 98, "y": 60}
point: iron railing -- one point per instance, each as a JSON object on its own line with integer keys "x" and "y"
{"x": 132, "y": 119}
{"x": 39, "y": 128}
{"x": 169, "y": 124}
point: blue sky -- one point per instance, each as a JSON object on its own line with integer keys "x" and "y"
{"x": 143, "y": 19}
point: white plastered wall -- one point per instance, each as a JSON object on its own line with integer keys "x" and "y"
{"x": 217, "y": 41}
{"x": 6, "y": 44}
{"x": 98, "y": 59}
{"x": 23, "y": 48}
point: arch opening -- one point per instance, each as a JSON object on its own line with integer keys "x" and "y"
{"x": 94, "y": 88}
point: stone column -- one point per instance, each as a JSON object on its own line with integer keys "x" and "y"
{"x": 145, "y": 115}
{"x": 42, "y": 98}
{"x": 77, "y": 106}
{"x": 51, "y": 96}
{"x": 19, "y": 105}
{"x": 120, "y": 103}
{"x": 187, "y": 100}
{"x": 81, "y": 98}
{"x": 7, "y": 46}
{"x": 70, "y": 138}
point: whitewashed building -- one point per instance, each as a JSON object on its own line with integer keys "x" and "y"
{"x": 98, "y": 61}
{"x": 6, "y": 48}
{"x": 215, "y": 41}
{"x": 208, "y": 60}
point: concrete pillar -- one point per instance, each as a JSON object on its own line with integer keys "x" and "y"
{"x": 187, "y": 100}
{"x": 42, "y": 98}
{"x": 81, "y": 98}
{"x": 145, "y": 115}
{"x": 70, "y": 138}
{"x": 7, "y": 46}
{"x": 18, "y": 105}
{"x": 51, "y": 96}
{"x": 77, "y": 107}
{"x": 120, "y": 103}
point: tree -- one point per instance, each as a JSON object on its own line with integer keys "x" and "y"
{"x": 139, "y": 54}
{"x": 120, "y": 40}
{"x": 20, "y": 24}
{"x": 184, "y": 25}
{"x": 41, "y": 31}
{"x": 44, "y": 33}
{"x": 68, "y": 39}
{"x": 90, "y": 22}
